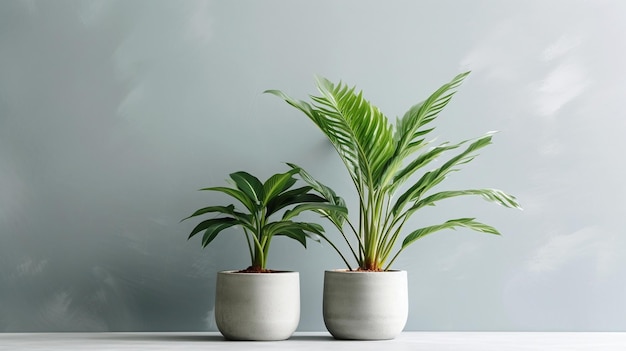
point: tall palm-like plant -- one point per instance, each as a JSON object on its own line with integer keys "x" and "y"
{"x": 380, "y": 158}
{"x": 258, "y": 212}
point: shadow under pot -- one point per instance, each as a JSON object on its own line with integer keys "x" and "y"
{"x": 365, "y": 305}
{"x": 257, "y": 306}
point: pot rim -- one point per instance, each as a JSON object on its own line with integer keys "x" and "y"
{"x": 236, "y": 271}
{"x": 345, "y": 270}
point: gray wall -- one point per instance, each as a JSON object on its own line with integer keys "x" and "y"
{"x": 113, "y": 113}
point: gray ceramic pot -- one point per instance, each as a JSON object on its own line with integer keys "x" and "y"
{"x": 365, "y": 305}
{"x": 257, "y": 306}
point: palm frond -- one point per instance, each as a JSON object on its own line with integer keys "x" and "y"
{"x": 408, "y": 135}
{"x": 421, "y": 161}
{"x": 492, "y": 195}
{"x": 450, "y": 224}
{"x": 336, "y": 130}
{"x": 426, "y": 111}
{"x": 431, "y": 178}
{"x": 369, "y": 129}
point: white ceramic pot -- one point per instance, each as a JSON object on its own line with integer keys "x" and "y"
{"x": 365, "y": 305}
{"x": 257, "y": 306}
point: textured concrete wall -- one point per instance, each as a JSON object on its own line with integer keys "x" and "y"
{"x": 113, "y": 113}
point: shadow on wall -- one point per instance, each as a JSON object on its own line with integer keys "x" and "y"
{"x": 111, "y": 293}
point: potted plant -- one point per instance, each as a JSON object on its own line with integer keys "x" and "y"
{"x": 257, "y": 303}
{"x": 384, "y": 161}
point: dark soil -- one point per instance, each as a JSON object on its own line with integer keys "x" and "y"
{"x": 257, "y": 270}
{"x": 369, "y": 270}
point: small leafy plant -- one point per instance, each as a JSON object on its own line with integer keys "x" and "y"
{"x": 381, "y": 158}
{"x": 258, "y": 211}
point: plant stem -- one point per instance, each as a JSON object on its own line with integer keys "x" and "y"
{"x": 266, "y": 249}
{"x": 337, "y": 250}
{"x": 258, "y": 252}
{"x": 340, "y": 229}
{"x": 392, "y": 260}
{"x": 249, "y": 244}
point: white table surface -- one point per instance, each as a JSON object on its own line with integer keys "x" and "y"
{"x": 415, "y": 341}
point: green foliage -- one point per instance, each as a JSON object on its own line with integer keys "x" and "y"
{"x": 259, "y": 216}
{"x": 381, "y": 158}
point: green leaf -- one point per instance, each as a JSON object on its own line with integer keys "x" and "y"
{"x": 223, "y": 222}
{"x": 434, "y": 177}
{"x": 245, "y": 219}
{"x": 249, "y": 185}
{"x": 323, "y": 208}
{"x": 336, "y": 129}
{"x": 326, "y": 191}
{"x": 493, "y": 195}
{"x": 426, "y": 111}
{"x": 367, "y": 129}
{"x": 295, "y": 233}
{"x": 212, "y": 232}
{"x": 421, "y": 161}
{"x": 408, "y": 127}
{"x": 271, "y": 229}
{"x": 311, "y": 227}
{"x": 451, "y": 224}
{"x": 277, "y": 184}
{"x": 329, "y": 195}
{"x": 237, "y": 194}
{"x": 279, "y": 226}
{"x": 288, "y": 198}
{"x": 299, "y": 231}
{"x": 221, "y": 209}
